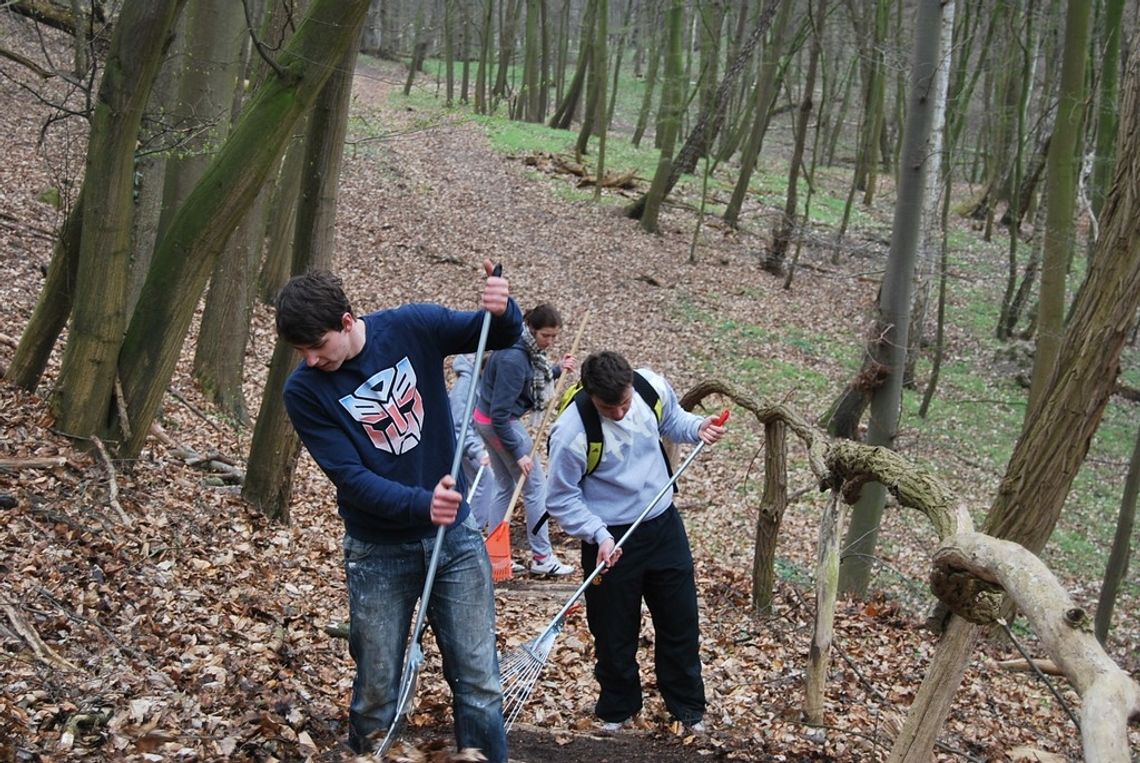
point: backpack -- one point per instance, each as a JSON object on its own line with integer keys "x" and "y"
{"x": 592, "y": 422}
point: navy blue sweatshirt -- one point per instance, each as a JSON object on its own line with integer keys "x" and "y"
{"x": 380, "y": 425}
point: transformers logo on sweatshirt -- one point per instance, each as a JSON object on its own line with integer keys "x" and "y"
{"x": 390, "y": 408}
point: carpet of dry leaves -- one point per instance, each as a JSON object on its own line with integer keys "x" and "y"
{"x": 185, "y": 626}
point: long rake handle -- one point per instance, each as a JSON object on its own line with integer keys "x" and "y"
{"x": 556, "y": 622}
{"x": 404, "y": 696}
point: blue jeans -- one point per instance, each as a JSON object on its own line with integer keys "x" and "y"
{"x": 384, "y": 583}
{"x": 507, "y": 472}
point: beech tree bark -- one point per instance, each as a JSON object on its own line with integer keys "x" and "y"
{"x": 186, "y": 254}
{"x": 82, "y": 400}
{"x": 889, "y": 347}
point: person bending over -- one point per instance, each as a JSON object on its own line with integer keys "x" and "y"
{"x": 598, "y": 503}
{"x": 370, "y": 403}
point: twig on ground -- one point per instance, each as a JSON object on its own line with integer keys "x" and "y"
{"x": 44, "y": 652}
{"x": 112, "y": 482}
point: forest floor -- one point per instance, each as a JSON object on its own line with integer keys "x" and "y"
{"x": 189, "y": 627}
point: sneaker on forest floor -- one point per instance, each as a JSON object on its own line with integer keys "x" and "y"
{"x": 517, "y": 569}
{"x": 549, "y": 565}
{"x": 613, "y": 727}
{"x": 697, "y": 727}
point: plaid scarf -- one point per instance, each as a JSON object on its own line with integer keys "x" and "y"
{"x": 541, "y": 376}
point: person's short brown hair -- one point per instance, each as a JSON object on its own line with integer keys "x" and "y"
{"x": 606, "y": 375}
{"x": 309, "y": 306}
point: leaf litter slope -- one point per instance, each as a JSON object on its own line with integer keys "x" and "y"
{"x": 198, "y": 631}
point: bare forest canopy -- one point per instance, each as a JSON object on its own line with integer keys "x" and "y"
{"x": 899, "y": 240}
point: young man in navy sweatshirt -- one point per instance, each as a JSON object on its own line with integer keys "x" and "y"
{"x": 370, "y": 404}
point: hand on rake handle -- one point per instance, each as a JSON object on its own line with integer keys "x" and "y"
{"x": 712, "y": 429}
{"x": 495, "y": 290}
{"x": 608, "y": 555}
{"x": 445, "y": 501}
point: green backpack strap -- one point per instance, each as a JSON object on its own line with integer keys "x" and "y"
{"x": 592, "y": 422}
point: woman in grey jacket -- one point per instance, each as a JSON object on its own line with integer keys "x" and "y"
{"x": 516, "y": 381}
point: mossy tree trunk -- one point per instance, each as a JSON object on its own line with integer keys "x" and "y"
{"x": 186, "y": 254}
{"x": 82, "y": 400}
{"x": 53, "y": 305}
{"x": 773, "y": 504}
{"x": 275, "y": 447}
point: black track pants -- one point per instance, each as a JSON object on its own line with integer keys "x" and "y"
{"x": 656, "y": 565}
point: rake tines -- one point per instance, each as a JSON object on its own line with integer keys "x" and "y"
{"x": 520, "y": 670}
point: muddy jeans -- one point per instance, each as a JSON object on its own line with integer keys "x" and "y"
{"x": 384, "y": 583}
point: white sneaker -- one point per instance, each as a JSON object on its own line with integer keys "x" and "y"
{"x": 517, "y": 569}
{"x": 612, "y": 727}
{"x": 549, "y": 565}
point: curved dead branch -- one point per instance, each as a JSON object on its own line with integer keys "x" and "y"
{"x": 1110, "y": 697}
{"x": 765, "y": 413}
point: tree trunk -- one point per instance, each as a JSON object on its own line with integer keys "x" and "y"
{"x": 654, "y": 58}
{"x": 595, "y": 85}
{"x": 564, "y": 114}
{"x": 278, "y": 259}
{"x": 1107, "y": 116}
{"x": 82, "y": 398}
{"x": 773, "y": 504}
{"x": 671, "y": 98}
{"x": 895, "y": 298}
{"x": 826, "y": 590}
{"x": 53, "y": 305}
{"x": 601, "y": 54}
{"x": 275, "y": 446}
{"x": 186, "y": 254}
{"x": 932, "y": 230}
{"x": 709, "y": 122}
{"x": 530, "y": 98}
{"x": 483, "y": 73}
{"x": 209, "y": 81}
{"x": 1056, "y": 437}
{"x": 507, "y": 46}
{"x": 782, "y": 235}
{"x": 1063, "y": 165}
{"x": 1116, "y": 570}
{"x": 763, "y": 97}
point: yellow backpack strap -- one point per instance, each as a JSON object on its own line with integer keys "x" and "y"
{"x": 592, "y": 424}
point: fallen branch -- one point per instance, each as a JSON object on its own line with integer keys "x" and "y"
{"x": 1048, "y": 667}
{"x": 44, "y": 652}
{"x": 43, "y": 462}
{"x": 112, "y": 483}
{"x": 1110, "y": 697}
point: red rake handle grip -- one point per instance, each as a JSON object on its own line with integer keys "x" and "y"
{"x": 723, "y": 417}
